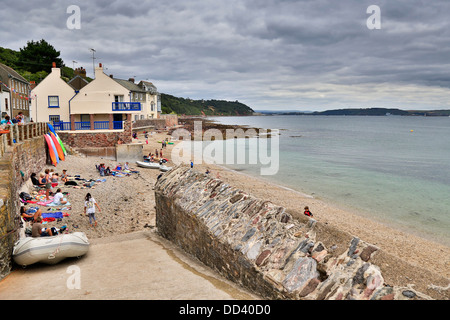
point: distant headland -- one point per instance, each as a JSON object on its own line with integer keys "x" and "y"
{"x": 361, "y": 112}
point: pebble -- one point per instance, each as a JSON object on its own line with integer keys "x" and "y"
{"x": 409, "y": 294}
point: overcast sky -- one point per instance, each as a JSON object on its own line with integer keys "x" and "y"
{"x": 268, "y": 54}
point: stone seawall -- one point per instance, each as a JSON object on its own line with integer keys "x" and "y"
{"x": 259, "y": 245}
{"x": 23, "y": 151}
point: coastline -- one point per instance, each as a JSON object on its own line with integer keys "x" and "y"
{"x": 128, "y": 204}
{"x": 404, "y": 259}
{"x": 416, "y": 251}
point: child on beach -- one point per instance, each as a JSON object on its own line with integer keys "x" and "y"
{"x": 59, "y": 199}
{"x": 307, "y": 212}
{"x": 64, "y": 177}
{"x": 89, "y": 208}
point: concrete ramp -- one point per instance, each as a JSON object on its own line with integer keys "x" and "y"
{"x": 140, "y": 266}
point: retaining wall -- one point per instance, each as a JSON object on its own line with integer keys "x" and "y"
{"x": 259, "y": 245}
{"x": 17, "y": 161}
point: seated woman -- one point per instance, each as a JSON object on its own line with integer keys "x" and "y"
{"x": 30, "y": 214}
{"x": 42, "y": 180}
{"x": 35, "y": 181}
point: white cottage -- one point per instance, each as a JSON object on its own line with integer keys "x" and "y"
{"x": 50, "y": 98}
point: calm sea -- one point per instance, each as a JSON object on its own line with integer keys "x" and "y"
{"x": 393, "y": 169}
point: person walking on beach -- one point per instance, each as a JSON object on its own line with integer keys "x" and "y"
{"x": 48, "y": 184}
{"x": 89, "y": 208}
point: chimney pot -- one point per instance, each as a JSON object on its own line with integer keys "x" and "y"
{"x": 100, "y": 65}
{"x": 54, "y": 65}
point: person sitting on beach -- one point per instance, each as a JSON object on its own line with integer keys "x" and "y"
{"x": 101, "y": 168}
{"x": 126, "y": 166}
{"x": 307, "y": 212}
{"x": 64, "y": 177}
{"x": 59, "y": 197}
{"x": 25, "y": 215}
{"x": 55, "y": 177}
{"x": 31, "y": 214}
{"x": 35, "y": 181}
{"x": 37, "y": 230}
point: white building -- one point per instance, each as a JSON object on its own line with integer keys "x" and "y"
{"x": 50, "y": 98}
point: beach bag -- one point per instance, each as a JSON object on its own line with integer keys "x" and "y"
{"x": 25, "y": 196}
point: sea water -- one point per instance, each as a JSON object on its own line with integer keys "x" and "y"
{"x": 392, "y": 169}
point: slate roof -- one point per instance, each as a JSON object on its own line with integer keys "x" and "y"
{"x": 129, "y": 85}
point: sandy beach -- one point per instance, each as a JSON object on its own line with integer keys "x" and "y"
{"x": 128, "y": 204}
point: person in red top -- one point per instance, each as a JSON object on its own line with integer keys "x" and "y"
{"x": 307, "y": 212}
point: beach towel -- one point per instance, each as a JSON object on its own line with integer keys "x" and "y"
{"x": 44, "y": 203}
{"x": 55, "y": 215}
{"x": 52, "y": 204}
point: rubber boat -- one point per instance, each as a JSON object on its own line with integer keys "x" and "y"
{"x": 149, "y": 165}
{"x": 164, "y": 168}
{"x": 50, "y": 250}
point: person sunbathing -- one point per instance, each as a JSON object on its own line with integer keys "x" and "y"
{"x": 31, "y": 214}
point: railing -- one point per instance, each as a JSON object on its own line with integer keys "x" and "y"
{"x": 82, "y": 125}
{"x": 11, "y": 134}
{"x": 86, "y": 125}
{"x": 61, "y": 126}
{"x": 126, "y": 106}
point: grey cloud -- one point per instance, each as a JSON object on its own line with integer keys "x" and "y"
{"x": 269, "y": 54}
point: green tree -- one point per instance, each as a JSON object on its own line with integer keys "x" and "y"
{"x": 38, "y": 56}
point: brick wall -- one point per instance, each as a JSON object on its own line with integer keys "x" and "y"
{"x": 97, "y": 138}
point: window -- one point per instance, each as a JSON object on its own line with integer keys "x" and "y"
{"x": 53, "y": 119}
{"x": 53, "y": 102}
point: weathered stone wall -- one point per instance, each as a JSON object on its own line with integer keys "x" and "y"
{"x": 260, "y": 246}
{"x": 18, "y": 160}
{"x": 158, "y": 124}
{"x": 171, "y": 119}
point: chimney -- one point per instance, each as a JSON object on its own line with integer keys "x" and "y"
{"x": 100, "y": 65}
{"x": 111, "y": 76}
{"x": 80, "y": 72}
{"x": 131, "y": 80}
{"x": 54, "y": 65}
